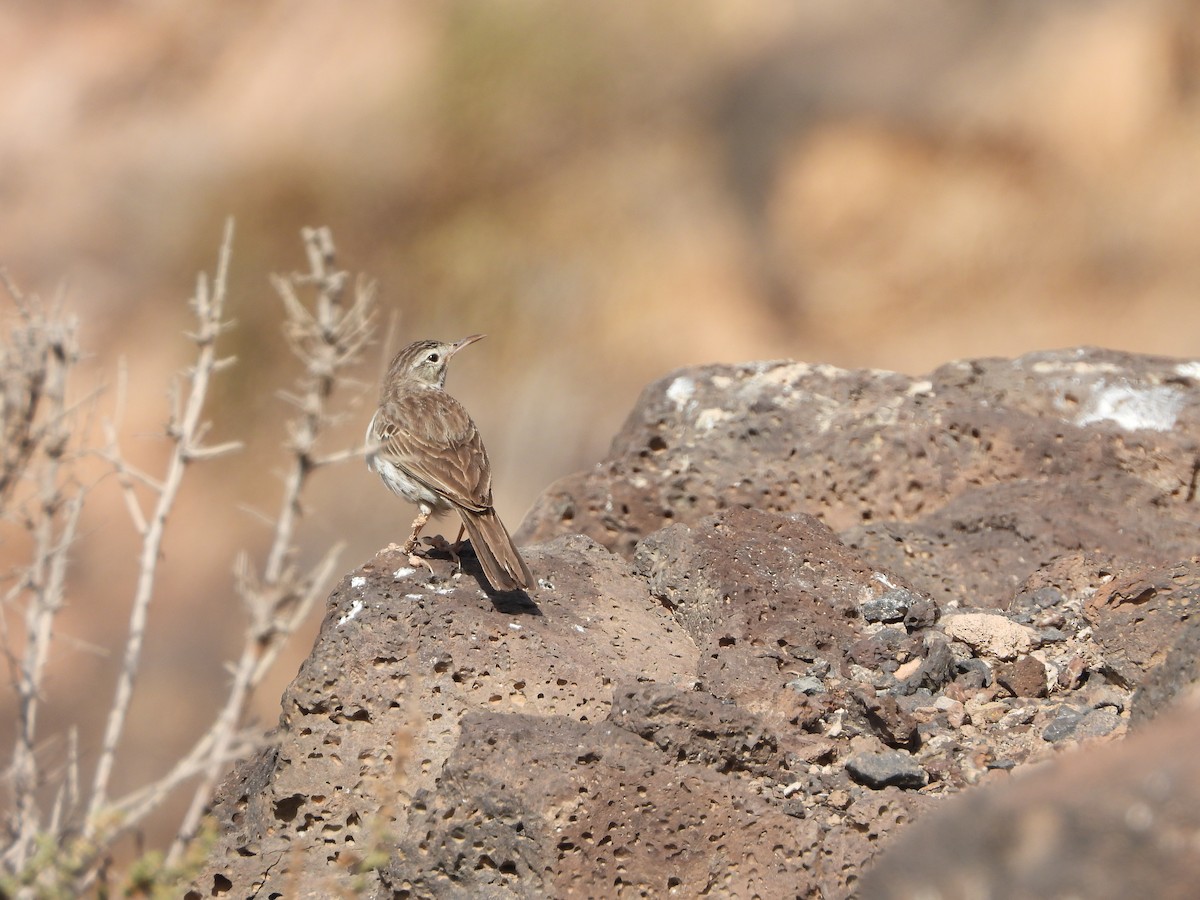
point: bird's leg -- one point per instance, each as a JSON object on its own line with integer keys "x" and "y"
{"x": 410, "y": 546}
{"x": 453, "y": 549}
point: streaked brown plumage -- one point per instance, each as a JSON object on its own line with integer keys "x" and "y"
{"x": 429, "y": 452}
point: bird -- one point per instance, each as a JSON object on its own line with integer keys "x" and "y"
{"x": 425, "y": 447}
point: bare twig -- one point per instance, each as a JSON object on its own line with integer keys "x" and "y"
{"x": 326, "y": 337}
{"x": 186, "y": 431}
{"x": 36, "y": 420}
{"x": 40, "y": 441}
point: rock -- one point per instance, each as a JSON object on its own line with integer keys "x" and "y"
{"x": 415, "y": 678}
{"x": 695, "y": 726}
{"x": 1063, "y": 726}
{"x": 760, "y": 595}
{"x": 892, "y": 768}
{"x": 907, "y": 670}
{"x": 891, "y": 606}
{"x": 922, "y": 613}
{"x": 1141, "y": 612}
{"x": 1024, "y": 678}
{"x": 1179, "y": 672}
{"x": 1046, "y": 597}
{"x": 373, "y": 715}
{"x": 809, "y": 684}
{"x": 973, "y": 673}
{"x": 1097, "y": 723}
{"x": 543, "y": 806}
{"x": 964, "y": 481}
{"x": 885, "y": 650}
{"x": 649, "y": 727}
{"x": 1103, "y": 822}
{"x": 885, "y": 719}
{"x": 935, "y": 672}
{"x": 990, "y": 633}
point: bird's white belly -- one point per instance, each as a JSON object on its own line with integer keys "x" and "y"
{"x": 399, "y": 482}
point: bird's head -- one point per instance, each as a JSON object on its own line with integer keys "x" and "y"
{"x": 425, "y": 361}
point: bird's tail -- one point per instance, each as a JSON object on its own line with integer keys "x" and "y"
{"x": 501, "y": 561}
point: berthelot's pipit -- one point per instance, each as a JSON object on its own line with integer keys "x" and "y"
{"x": 429, "y": 452}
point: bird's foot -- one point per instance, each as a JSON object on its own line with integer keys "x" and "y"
{"x": 416, "y": 559}
{"x": 440, "y": 544}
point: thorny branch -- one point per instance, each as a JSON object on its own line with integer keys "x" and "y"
{"x": 42, "y": 440}
{"x": 37, "y": 424}
{"x": 327, "y": 337}
{"x": 186, "y": 430}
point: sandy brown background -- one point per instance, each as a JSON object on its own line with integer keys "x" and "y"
{"x": 609, "y": 191}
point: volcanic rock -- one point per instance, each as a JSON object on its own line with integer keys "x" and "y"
{"x": 779, "y": 570}
{"x": 991, "y": 634}
{"x": 891, "y": 768}
{"x": 1025, "y": 678}
{"x": 1110, "y": 822}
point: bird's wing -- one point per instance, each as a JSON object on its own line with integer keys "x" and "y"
{"x": 429, "y": 435}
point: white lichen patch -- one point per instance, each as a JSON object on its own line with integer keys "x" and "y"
{"x": 1133, "y": 408}
{"x": 786, "y": 374}
{"x": 355, "y": 608}
{"x": 711, "y": 417}
{"x": 681, "y": 390}
{"x": 358, "y": 582}
{"x": 402, "y": 572}
{"x": 1189, "y": 369}
{"x": 1073, "y": 367}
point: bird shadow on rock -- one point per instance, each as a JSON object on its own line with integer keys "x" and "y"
{"x": 516, "y": 603}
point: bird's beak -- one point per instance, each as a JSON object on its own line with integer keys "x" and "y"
{"x": 458, "y": 345}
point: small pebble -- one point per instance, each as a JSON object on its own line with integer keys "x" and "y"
{"x": 1046, "y": 597}
{"x": 1063, "y": 726}
{"x": 907, "y": 669}
{"x": 1097, "y": 723}
{"x": 807, "y": 685}
{"x": 839, "y": 799}
{"x": 922, "y": 613}
{"x": 889, "y": 607}
{"x": 974, "y": 673}
{"x": 1021, "y": 716}
{"x": 890, "y": 768}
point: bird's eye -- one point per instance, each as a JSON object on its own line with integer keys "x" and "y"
{"x": 432, "y": 357}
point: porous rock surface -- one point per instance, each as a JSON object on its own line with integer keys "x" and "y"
{"x": 794, "y": 610}
{"x": 1116, "y": 821}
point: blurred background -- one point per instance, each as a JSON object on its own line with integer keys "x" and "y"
{"x": 609, "y": 191}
